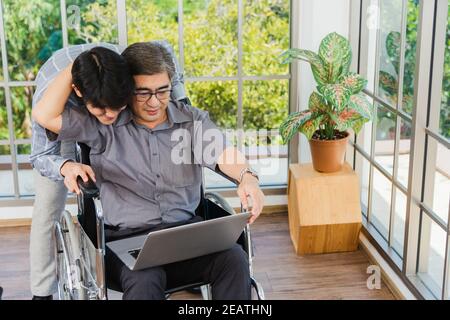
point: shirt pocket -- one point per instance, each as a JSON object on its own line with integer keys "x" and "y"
{"x": 182, "y": 175}
{"x": 179, "y": 171}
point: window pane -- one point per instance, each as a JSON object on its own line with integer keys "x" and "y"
{"x": 33, "y": 33}
{"x": 5, "y": 149}
{"x": 152, "y": 20}
{"x": 6, "y": 175}
{"x": 1, "y": 67}
{"x": 439, "y": 178}
{"x": 266, "y": 36}
{"x": 265, "y": 103}
{"x": 444, "y": 123}
{"x": 26, "y": 180}
{"x": 398, "y": 234}
{"x": 23, "y": 150}
{"x": 431, "y": 255}
{"x": 410, "y": 55}
{"x": 21, "y": 104}
{"x": 381, "y": 203}
{"x": 89, "y": 21}
{"x": 265, "y": 106}
{"x": 219, "y": 98}
{"x": 210, "y": 38}
{"x": 4, "y": 132}
{"x": 391, "y": 12}
{"x": 385, "y": 138}
{"x": 389, "y": 49}
{"x": 370, "y": 31}
{"x": 404, "y": 151}
{"x": 364, "y": 138}
{"x": 363, "y": 168}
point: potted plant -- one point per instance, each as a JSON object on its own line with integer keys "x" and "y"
{"x": 336, "y": 106}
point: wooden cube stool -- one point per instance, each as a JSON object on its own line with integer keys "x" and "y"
{"x": 324, "y": 209}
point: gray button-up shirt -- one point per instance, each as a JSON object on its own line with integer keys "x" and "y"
{"x": 148, "y": 176}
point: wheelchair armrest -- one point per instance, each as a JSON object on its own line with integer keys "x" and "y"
{"x": 88, "y": 189}
{"x": 220, "y": 172}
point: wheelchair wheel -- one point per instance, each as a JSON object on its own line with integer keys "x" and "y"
{"x": 69, "y": 270}
{"x": 220, "y": 201}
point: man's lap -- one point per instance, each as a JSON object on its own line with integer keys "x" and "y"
{"x": 178, "y": 273}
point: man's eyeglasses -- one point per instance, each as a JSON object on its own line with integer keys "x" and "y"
{"x": 146, "y": 95}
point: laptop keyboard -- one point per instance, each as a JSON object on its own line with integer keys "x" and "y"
{"x": 134, "y": 253}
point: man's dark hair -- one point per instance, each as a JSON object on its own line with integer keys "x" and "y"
{"x": 149, "y": 58}
{"x": 103, "y": 77}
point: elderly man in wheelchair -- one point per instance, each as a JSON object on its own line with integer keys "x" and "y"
{"x": 148, "y": 168}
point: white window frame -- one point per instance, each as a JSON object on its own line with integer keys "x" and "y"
{"x": 424, "y": 139}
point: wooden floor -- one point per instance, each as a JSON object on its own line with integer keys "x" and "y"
{"x": 282, "y": 273}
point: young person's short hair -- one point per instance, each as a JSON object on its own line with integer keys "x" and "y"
{"x": 149, "y": 58}
{"x": 103, "y": 77}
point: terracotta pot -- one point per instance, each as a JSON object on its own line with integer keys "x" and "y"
{"x": 328, "y": 155}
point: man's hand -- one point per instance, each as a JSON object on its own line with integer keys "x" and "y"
{"x": 250, "y": 187}
{"x": 71, "y": 170}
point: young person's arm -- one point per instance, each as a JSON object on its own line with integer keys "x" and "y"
{"x": 48, "y": 110}
{"x": 47, "y": 157}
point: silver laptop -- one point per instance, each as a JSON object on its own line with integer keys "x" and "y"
{"x": 180, "y": 243}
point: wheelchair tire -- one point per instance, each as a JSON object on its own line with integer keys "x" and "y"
{"x": 68, "y": 264}
{"x": 220, "y": 201}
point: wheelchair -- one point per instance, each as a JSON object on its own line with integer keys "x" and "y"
{"x": 80, "y": 244}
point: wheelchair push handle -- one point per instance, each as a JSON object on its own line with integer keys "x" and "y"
{"x": 89, "y": 188}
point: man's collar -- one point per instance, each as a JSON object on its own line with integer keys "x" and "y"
{"x": 174, "y": 115}
{"x": 124, "y": 117}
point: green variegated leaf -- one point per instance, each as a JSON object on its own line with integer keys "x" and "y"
{"x": 310, "y": 126}
{"x": 317, "y": 65}
{"x": 316, "y": 104}
{"x": 344, "y": 119}
{"x": 393, "y": 42}
{"x": 350, "y": 119}
{"x": 357, "y": 124}
{"x": 291, "y": 54}
{"x": 335, "y": 94}
{"x": 291, "y": 125}
{"x": 319, "y": 71}
{"x": 388, "y": 83}
{"x": 361, "y": 105}
{"x": 346, "y": 57}
{"x": 336, "y": 54}
{"x": 353, "y": 81}
{"x": 333, "y": 117}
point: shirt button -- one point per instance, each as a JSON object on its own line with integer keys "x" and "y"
{"x": 158, "y": 176}
{"x": 154, "y": 154}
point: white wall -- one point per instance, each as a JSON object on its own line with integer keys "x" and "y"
{"x": 317, "y": 18}
{"x": 7, "y": 213}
